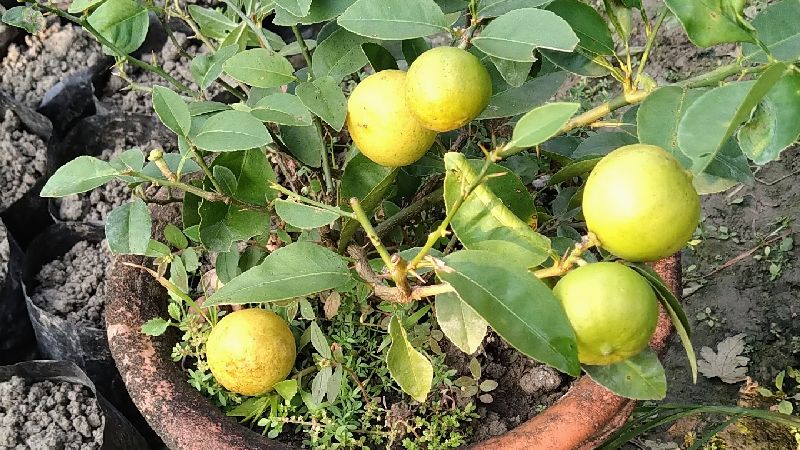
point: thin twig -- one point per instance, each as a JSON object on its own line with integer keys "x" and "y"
{"x": 311, "y": 202}
{"x": 651, "y": 39}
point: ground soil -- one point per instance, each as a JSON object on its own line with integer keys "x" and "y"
{"x": 73, "y": 286}
{"x": 47, "y": 415}
{"x": 5, "y": 251}
{"x": 30, "y": 69}
{"x": 22, "y": 159}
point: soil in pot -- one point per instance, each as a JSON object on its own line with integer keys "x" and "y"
{"x": 22, "y": 159}
{"x": 49, "y": 415}
{"x": 5, "y": 254}
{"x": 73, "y": 286}
{"x": 29, "y": 70}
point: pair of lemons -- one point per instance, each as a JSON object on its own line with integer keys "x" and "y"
{"x": 394, "y": 116}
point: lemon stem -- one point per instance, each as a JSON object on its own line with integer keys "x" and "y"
{"x": 567, "y": 262}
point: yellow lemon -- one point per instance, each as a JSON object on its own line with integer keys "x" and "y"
{"x": 447, "y": 87}
{"x": 640, "y": 203}
{"x": 380, "y": 123}
{"x": 250, "y": 350}
{"x": 612, "y": 309}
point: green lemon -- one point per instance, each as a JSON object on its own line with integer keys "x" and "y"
{"x": 612, "y": 309}
{"x": 447, "y": 87}
{"x": 640, "y": 203}
{"x": 250, "y": 350}
{"x": 381, "y": 124}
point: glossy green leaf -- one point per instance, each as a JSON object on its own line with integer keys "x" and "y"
{"x": 172, "y": 110}
{"x": 128, "y": 228}
{"x": 710, "y": 22}
{"x": 394, "y": 19}
{"x": 659, "y": 115}
{"x": 775, "y": 125}
{"x": 512, "y": 101}
{"x": 777, "y": 28}
{"x": 124, "y": 23}
{"x": 379, "y": 58}
{"x": 730, "y": 163}
{"x": 412, "y": 48}
{"x": 514, "y": 254}
{"x": 542, "y": 123}
{"x": 590, "y": 27}
{"x": 175, "y": 236}
{"x": 212, "y": 23}
{"x": 713, "y": 118}
{"x": 483, "y": 215}
{"x": 324, "y": 97}
{"x": 339, "y": 55}
{"x": 259, "y": 67}
{"x": 206, "y": 69}
{"x": 82, "y": 174}
{"x": 641, "y": 377}
{"x": 78, "y": 6}
{"x": 297, "y": 270}
{"x": 515, "y": 73}
{"x": 283, "y": 109}
{"x": 575, "y": 62}
{"x": 206, "y": 107}
{"x": 229, "y": 131}
{"x": 515, "y": 35}
{"x": 305, "y": 143}
{"x": 320, "y": 11}
{"x": 296, "y": 7}
{"x": 494, "y": 8}
{"x": 409, "y": 368}
{"x": 518, "y": 306}
{"x": 459, "y": 322}
{"x": 573, "y": 170}
{"x": 601, "y": 144}
{"x": 303, "y": 216}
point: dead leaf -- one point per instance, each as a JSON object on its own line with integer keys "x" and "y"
{"x": 727, "y": 363}
{"x": 332, "y": 303}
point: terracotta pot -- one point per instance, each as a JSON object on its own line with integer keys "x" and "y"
{"x": 186, "y": 420}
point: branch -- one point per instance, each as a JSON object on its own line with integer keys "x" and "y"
{"x": 411, "y": 210}
{"x": 567, "y": 262}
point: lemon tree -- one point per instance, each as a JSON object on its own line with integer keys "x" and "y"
{"x": 349, "y": 166}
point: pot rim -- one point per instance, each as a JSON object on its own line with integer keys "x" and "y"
{"x": 186, "y": 420}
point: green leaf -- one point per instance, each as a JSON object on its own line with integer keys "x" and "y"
{"x": 710, "y": 22}
{"x": 640, "y": 377}
{"x": 304, "y": 216}
{"x": 206, "y": 107}
{"x": 516, "y": 34}
{"x": 229, "y": 131}
{"x": 155, "y": 327}
{"x": 296, "y": 7}
{"x": 394, "y": 19}
{"x": 305, "y": 143}
{"x": 156, "y": 249}
{"x": 730, "y": 164}
{"x": 213, "y": 24}
{"x": 412, "y": 48}
{"x": 494, "y": 8}
{"x": 82, "y": 174}
{"x": 659, "y": 115}
{"x": 590, "y": 27}
{"x": 339, "y": 55}
{"x": 777, "y": 28}
{"x": 335, "y": 384}
{"x": 128, "y": 228}
{"x": 78, "y": 6}
{"x": 601, "y": 144}
{"x": 297, "y": 270}
{"x": 319, "y": 385}
{"x": 673, "y": 307}
{"x": 175, "y": 236}
{"x": 319, "y": 342}
{"x": 542, "y": 123}
{"x": 324, "y": 97}
{"x": 174, "y": 162}
{"x": 172, "y": 110}
{"x": 25, "y": 17}
{"x": 518, "y": 306}
{"x": 515, "y": 73}
{"x": 379, "y": 58}
{"x": 260, "y": 68}
{"x": 409, "y": 368}
{"x": 459, "y": 322}
{"x": 512, "y": 101}
{"x": 573, "y": 170}
{"x": 484, "y": 216}
{"x": 283, "y": 109}
{"x": 227, "y": 265}
{"x": 206, "y": 69}
{"x": 775, "y": 125}
{"x": 713, "y": 118}
{"x": 575, "y": 62}
{"x": 286, "y": 388}
{"x": 124, "y": 23}
{"x": 320, "y": 11}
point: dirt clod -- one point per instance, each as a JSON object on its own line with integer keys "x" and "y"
{"x": 5, "y": 251}
{"x": 73, "y": 286}
{"x": 22, "y": 159}
{"x": 46, "y": 415}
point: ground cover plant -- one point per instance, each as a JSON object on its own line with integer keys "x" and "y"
{"x": 379, "y": 213}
